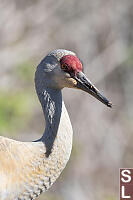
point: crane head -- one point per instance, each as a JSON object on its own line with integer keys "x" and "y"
{"x": 64, "y": 69}
{"x": 73, "y": 66}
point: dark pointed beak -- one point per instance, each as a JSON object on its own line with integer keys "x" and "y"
{"x": 84, "y": 84}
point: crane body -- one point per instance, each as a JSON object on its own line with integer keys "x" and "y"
{"x": 29, "y": 168}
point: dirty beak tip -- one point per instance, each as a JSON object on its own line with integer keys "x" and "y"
{"x": 109, "y": 104}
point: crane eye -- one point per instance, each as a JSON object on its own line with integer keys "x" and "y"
{"x": 64, "y": 67}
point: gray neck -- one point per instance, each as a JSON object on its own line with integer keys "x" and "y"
{"x": 51, "y": 101}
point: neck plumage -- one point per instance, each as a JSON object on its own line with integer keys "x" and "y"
{"x": 51, "y": 101}
{"x": 56, "y": 142}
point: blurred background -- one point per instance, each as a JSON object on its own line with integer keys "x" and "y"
{"x": 101, "y": 33}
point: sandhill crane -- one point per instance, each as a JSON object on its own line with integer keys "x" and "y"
{"x": 29, "y": 168}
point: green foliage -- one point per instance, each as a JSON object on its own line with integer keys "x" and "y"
{"x": 25, "y": 71}
{"x": 14, "y": 111}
